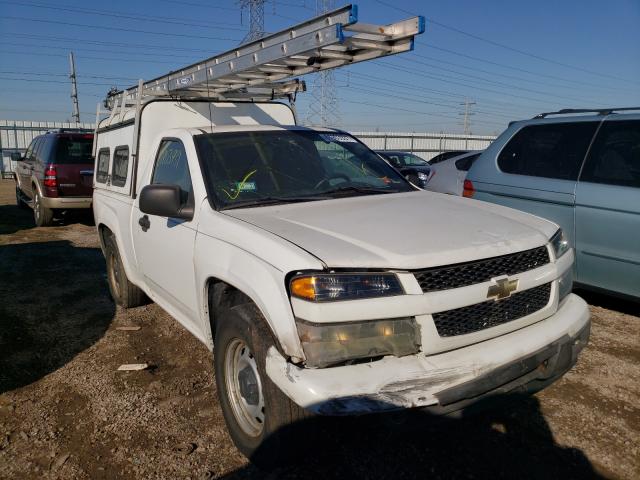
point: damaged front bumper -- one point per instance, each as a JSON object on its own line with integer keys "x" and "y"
{"x": 528, "y": 360}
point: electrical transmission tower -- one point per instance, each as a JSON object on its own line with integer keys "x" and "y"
{"x": 323, "y": 108}
{"x": 74, "y": 89}
{"x": 466, "y": 122}
{"x": 256, "y": 19}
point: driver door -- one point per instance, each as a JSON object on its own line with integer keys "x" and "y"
{"x": 164, "y": 246}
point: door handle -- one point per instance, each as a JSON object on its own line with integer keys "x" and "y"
{"x": 144, "y": 223}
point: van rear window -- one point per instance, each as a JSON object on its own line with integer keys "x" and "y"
{"x": 73, "y": 150}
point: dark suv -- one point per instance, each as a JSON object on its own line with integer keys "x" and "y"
{"x": 55, "y": 174}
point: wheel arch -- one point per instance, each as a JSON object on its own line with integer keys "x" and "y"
{"x": 220, "y": 294}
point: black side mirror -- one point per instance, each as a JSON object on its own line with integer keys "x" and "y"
{"x": 15, "y": 156}
{"x": 164, "y": 201}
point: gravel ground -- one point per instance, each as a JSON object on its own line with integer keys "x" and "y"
{"x": 66, "y": 412}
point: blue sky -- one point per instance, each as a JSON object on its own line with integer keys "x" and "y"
{"x": 512, "y": 58}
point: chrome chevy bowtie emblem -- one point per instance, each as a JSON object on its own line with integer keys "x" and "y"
{"x": 502, "y": 289}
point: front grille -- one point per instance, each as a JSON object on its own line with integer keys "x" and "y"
{"x": 478, "y": 271}
{"x": 491, "y": 313}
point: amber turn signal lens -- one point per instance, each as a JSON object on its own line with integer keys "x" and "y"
{"x": 304, "y": 287}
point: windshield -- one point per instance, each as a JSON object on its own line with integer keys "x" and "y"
{"x": 267, "y": 167}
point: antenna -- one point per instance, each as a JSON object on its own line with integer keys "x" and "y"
{"x": 74, "y": 90}
{"x": 256, "y": 19}
{"x": 467, "y": 113}
{"x": 323, "y": 108}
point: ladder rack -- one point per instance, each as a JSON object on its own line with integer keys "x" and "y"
{"x": 264, "y": 69}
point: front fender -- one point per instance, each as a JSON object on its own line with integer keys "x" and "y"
{"x": 255, "y": 262}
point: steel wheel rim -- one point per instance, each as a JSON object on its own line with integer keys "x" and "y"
{"x": 244, "y": 387}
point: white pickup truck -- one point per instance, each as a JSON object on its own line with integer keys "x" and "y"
{"x": 322, "y": 280}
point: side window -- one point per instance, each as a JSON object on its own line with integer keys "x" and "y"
{"x": 42, "y": 153}
{"x": 29, "y": 151}
{"x": 554, "y": 150}
{"x": 102, "y": 170}
{"x": 614, "y": 158}
{"x": 120, "y": 166}
{"x": 172, "y": 168}
{"x": 34, "y": 152}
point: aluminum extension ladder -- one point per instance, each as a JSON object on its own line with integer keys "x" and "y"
{"x": 264, "y": 69}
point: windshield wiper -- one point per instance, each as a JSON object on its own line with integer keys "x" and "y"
{"x": 258, "y": 202}
{"x": 356, "y": 189}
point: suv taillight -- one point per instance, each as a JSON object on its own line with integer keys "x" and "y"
{"x": 50, "y": 176}
{"x": 468, "y": 189}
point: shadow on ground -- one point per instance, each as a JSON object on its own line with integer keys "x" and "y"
{"x": 610, "y": 301}
{"x": 14, "y": 218}
{"x": 510, "y": 440}
{"x": 41, "y": 327}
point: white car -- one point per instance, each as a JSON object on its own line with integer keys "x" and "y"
{"x": 448, "y": 176}
{"x": 295, "y": 255}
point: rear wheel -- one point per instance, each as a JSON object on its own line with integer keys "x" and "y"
{"x": 123, "y": 292}
{"x": 260, "y": 418}
{"x": 42, "y": 215}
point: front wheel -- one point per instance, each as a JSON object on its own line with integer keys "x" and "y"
{"x": 260, "y": 418}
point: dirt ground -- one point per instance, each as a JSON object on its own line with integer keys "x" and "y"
{"x": 66, "y": 412}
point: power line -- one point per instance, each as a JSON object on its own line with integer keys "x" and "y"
{"x": 35, "y": 80}
{"x": 119, "y": 29}
{"x": 160, "y": 55}
{"x": 508, "y": 47}
{"x": 57, "y": 74}
{"x": 98, "y": 42}
{"x": 491, "y": 82}
{"x": 511, "y": 67}
{"x": 86, "y": 57}
{"x": 129, "y": 16}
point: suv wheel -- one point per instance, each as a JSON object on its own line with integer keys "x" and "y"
{"x": 260, "y": 418}
{"x": 42, "y": 215}
{"x": 123, "y": 292}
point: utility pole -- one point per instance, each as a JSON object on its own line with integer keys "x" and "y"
{"x": 323, "y": 109}
{"x": 74, "y": 90}
{"x": 256, "y": 19}
{"x": 467, "y": 113}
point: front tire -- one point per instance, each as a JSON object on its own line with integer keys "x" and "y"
{"x": 42, "y": 215}
{"x": 123, "y": 292}
{"x": 259, "y": 417}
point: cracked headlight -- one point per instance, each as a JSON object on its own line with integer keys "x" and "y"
{"x": 559, "y": 243}
{"x": 328, "y": 287}
{"x": 327, "y": 344}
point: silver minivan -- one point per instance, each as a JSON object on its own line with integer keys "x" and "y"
{"x": 580, "y": 169}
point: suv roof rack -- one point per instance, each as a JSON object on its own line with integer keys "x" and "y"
{"x": 264, "y": 69}
{"x": 70, "y": 130}
{"x": 599, "y": 111}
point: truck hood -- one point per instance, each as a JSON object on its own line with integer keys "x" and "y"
{"x": 400, "y": 231}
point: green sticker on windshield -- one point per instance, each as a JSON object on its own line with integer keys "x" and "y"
{"x": 245, "y": 187}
